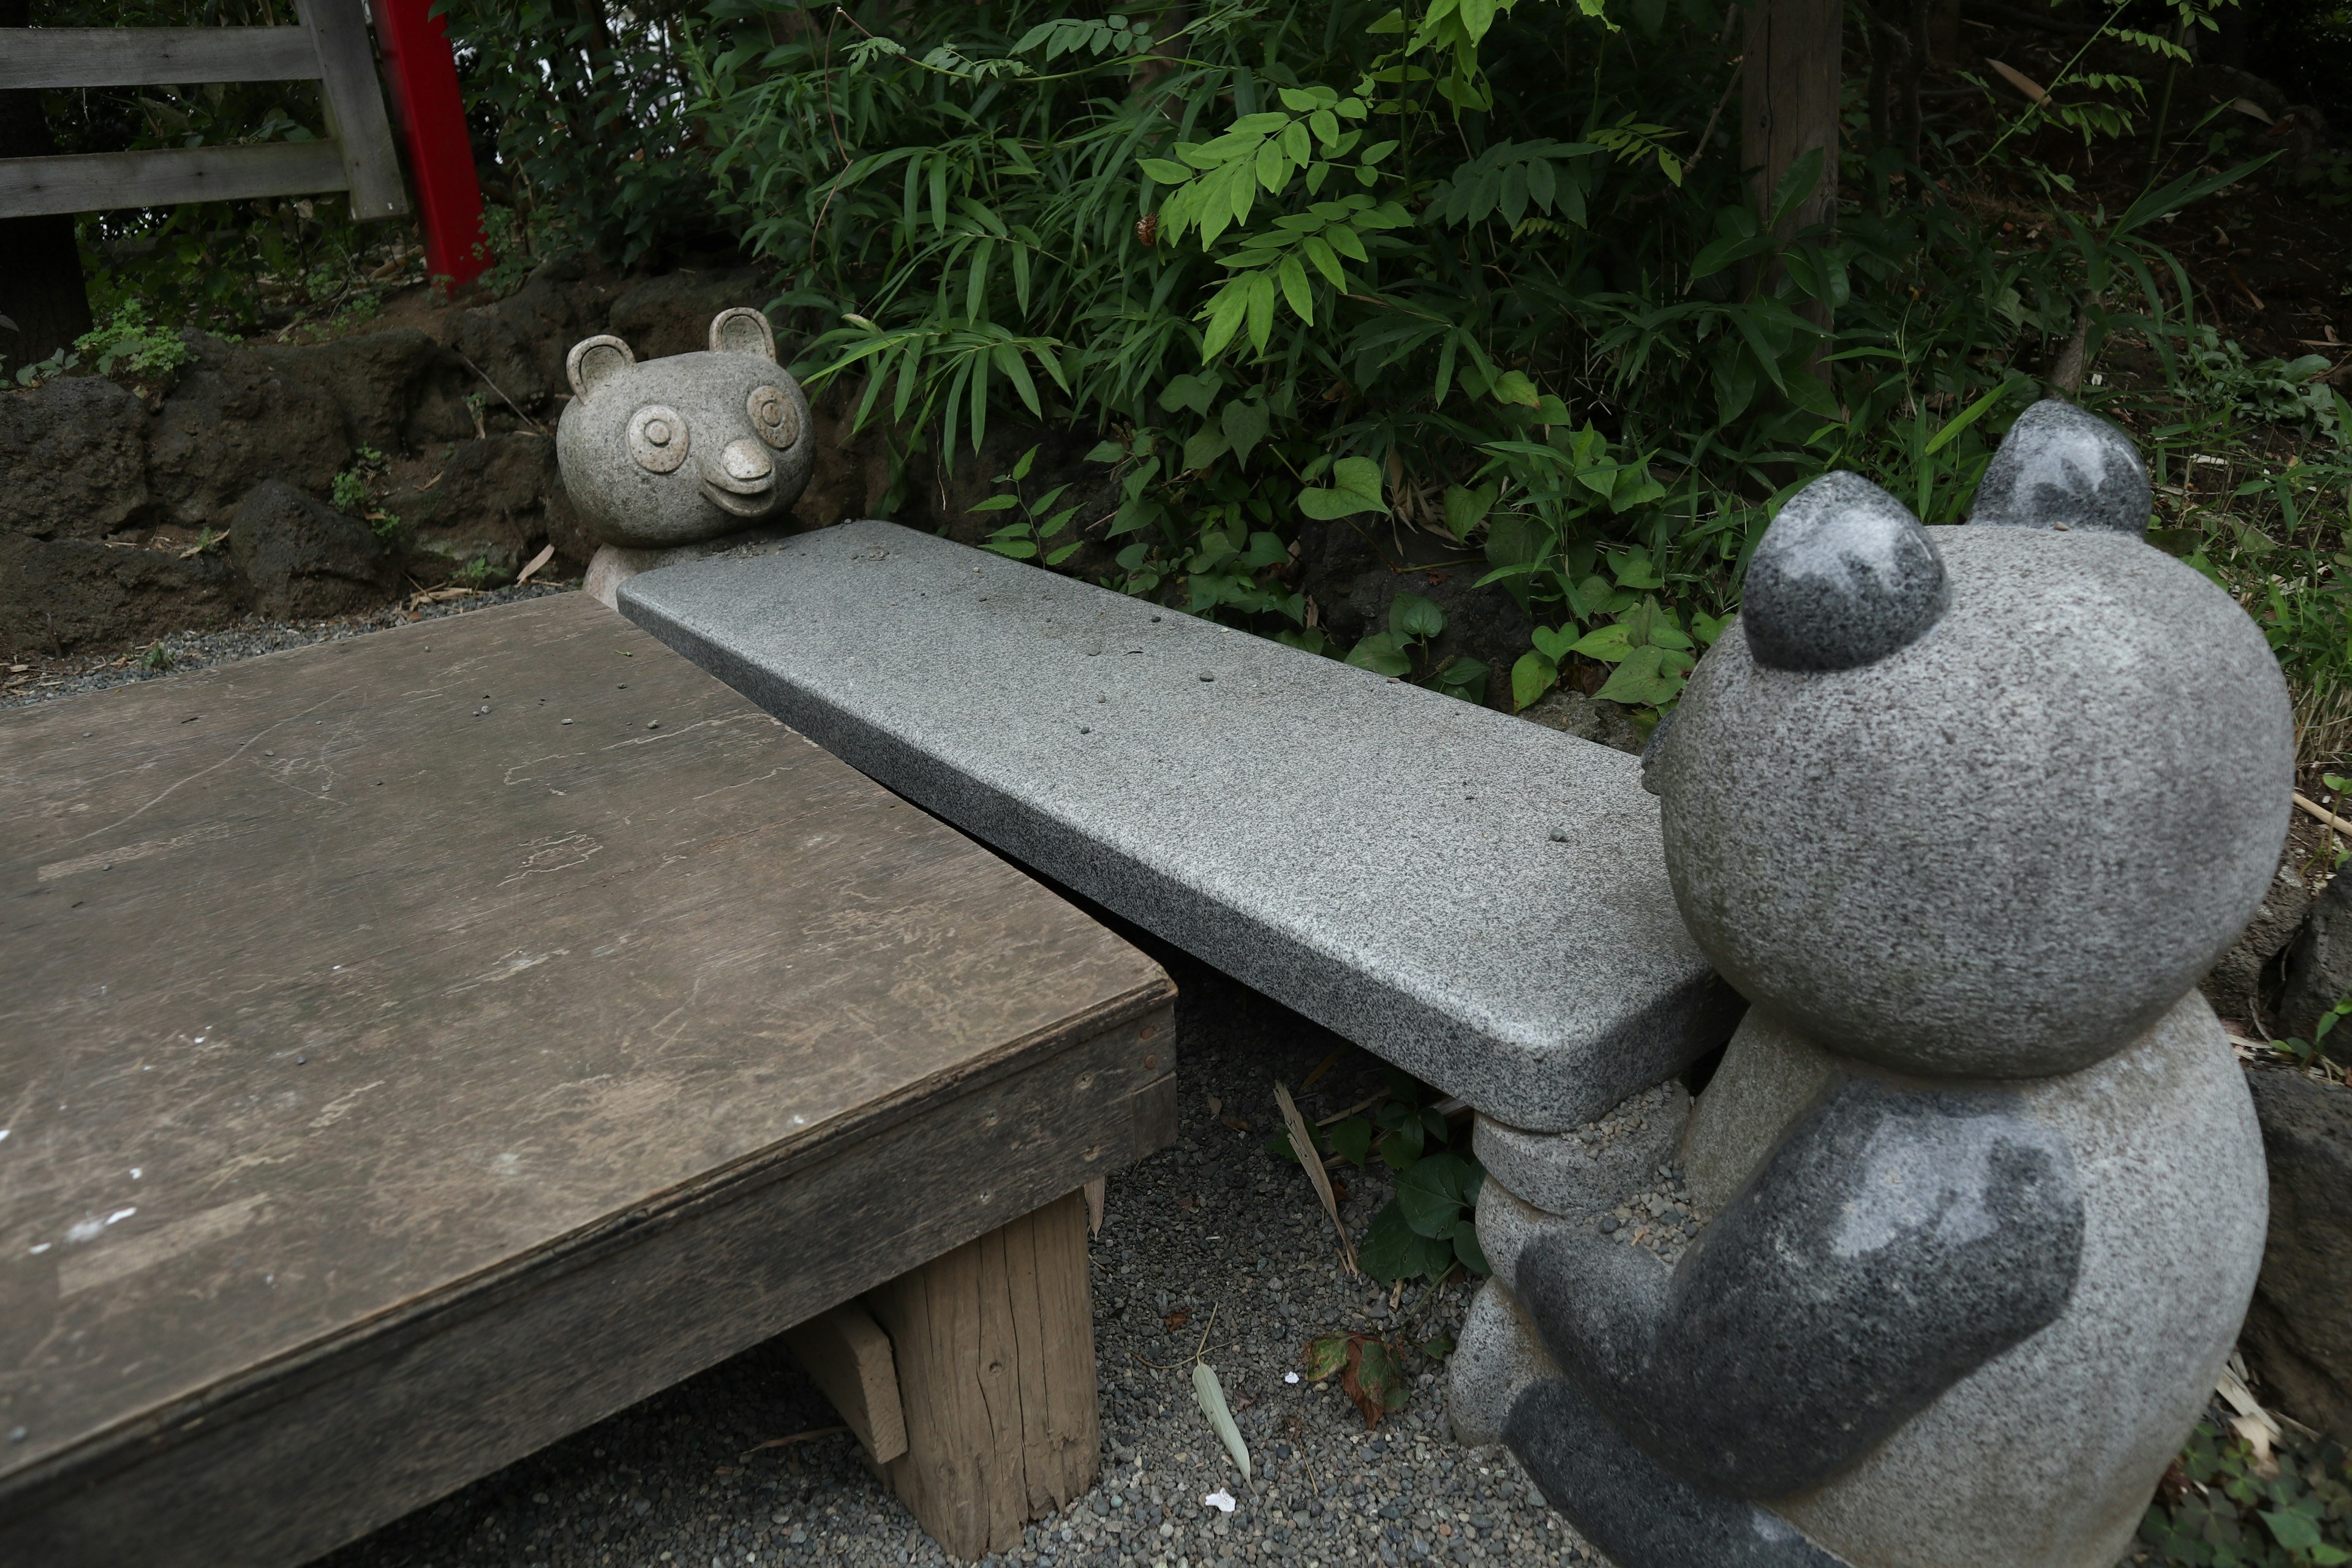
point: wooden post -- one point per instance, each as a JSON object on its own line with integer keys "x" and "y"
{"x": 995, "y": 1350}
{"x": 432, "y": 114}
{"x": 1788, "y": 99}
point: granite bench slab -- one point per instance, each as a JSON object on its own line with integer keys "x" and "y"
{"x": 1479, "y": 900}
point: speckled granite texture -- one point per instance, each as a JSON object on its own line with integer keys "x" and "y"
{"x": 1845, "y": 575}
{"x": 1994, "y": 1195}
{"x": 1479, "y": 900}
{"x": 673, "y": 451}
{"x": 2006, "y": 848}
{"x": 2061, "y": 467}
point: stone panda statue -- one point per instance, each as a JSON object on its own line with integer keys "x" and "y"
{"x": 683, "y": 457}
{"x": 1964, "y": 813}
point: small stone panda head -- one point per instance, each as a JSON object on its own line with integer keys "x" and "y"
{"x": 1983, "y": 801}
{"x": 678, "y": 450}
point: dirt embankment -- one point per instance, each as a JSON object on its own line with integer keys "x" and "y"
{"x": 124, "y": 516}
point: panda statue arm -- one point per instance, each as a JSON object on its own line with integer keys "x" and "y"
{"x": 1894, "y": 1241}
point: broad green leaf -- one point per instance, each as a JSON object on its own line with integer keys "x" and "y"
{"x": 1326, "y": 1357}
{"x": 1607, "y": 642}
{"x": 1356, "y": 487}
{"x": 1553, "y": 645}
{"x": 1462, "y": 678}
{"x": 1352, "y": 1139}
{"x": 2292, "y": 1528}
{"x": 1643, "y": 679}
{"x": 1414, "y": 615}
{"x": 1393, "y": 1250}
{"x": 1293, "y": 278}
{"x": 1466, "y": 509}
{"x": 1245, "y": 425}
{"x": 1467, "y": 1251}
{"x": 1023, "y": 464}
{"x": 1380, "y": 653}
{"x": 997, "y": 503}
{"x": 1207, "y": 445}
{"x": 1513, "y": 387}
{"x": 1531, "y": 677}
{"x": 1261, "y": 309}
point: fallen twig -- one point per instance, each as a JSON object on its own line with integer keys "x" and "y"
{"x": 494, "y": 386}
{"x": 809, "y": 1436}
{"x": 2320, "y": 814}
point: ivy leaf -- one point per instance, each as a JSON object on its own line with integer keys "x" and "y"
{"x": 1553, "y": 645}
{"x": 1435, "y": 1192}
{"x": 1531, "y": 677}
{"x": 1355, "y": 487}
{"x": 1514, "y": 387}
{"x": 1466, "y": 509}
{"x": 1245, "y": 425}
{"x": 1643, "y": 679}
{"x": 1352, "y": 1139}
{"x": 1609, "y": 644}
{"x": 1380, "y": 652}
{"x": 1414, "y": 615}
{"x": 1326, "y": 1357}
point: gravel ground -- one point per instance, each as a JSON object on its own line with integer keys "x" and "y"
{"x": 25, "y": 682}
{"x": 1216, "y": 1229}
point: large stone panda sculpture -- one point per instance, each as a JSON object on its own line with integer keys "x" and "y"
{"x": 1964, "y": 813}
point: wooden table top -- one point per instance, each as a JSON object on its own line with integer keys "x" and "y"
{"x": 337, "y": 981}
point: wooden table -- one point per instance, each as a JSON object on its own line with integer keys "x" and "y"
{"x": 418, "y": 1048}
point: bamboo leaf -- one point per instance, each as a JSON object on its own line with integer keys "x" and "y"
{"x": 1211, "y": 1396}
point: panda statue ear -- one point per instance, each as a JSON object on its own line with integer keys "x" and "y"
{"x": 595, "y": 360}
{"x": 1844, "y": 577}
{"x": 2061, "y": 467}
{"x": 742, "y": 330}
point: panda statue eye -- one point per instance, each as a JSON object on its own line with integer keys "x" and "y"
{"x": 658, "y": 439}
{"x": 774, "y": 417}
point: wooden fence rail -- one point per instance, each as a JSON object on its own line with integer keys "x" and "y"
{"x": 331, "y": 47}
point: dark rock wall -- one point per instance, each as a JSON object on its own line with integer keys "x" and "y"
{"x": 122, "y": 519}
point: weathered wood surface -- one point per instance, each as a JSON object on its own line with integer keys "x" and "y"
{"x": 1010, "y": 1435}
{"x": 848, "y": 1356}
{"x": 162, "y": 177}
{"x": 332, "y": 46}
{"x": 152, "y": 57}
{"x": 391, "y": 1085}
{"x": 355, "y": 105}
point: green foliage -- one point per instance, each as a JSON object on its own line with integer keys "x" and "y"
{"x": 1426, "y": 1229}
{"x": 591, "y": 145}
{"x": 125, "y": 345}
{"x": 2219, "y": 1508}
{"x": 1033, "y": 535}
{"x": 1460, "y": 269}
{"x": 230, "y": 265}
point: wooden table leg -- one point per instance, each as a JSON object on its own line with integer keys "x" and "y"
{"x": 995, "y": 1350}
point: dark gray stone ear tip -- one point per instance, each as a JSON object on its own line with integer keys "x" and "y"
{"x": 2063, "y": 468}
{"x": 1844, "y": 577}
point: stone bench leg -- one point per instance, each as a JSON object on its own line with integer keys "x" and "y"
{"x": 993, "y": 1347}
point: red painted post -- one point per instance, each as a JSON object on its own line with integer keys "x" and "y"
{"x": 431, "y": 116}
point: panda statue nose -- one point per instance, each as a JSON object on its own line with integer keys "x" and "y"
{"x": 746, "y": 466}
